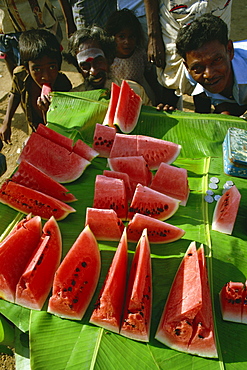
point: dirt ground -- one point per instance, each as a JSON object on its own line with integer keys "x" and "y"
{"x": 20, "y": 129}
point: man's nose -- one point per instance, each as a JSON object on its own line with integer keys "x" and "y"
{"x": 208, "y": 72}
{"x": 93, "y": 70}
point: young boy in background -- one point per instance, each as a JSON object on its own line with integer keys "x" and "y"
{"x": 41, "y": 62}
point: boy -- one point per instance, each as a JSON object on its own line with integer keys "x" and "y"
{"x": 41, "y": 62}
{"x": 215, "y": 66}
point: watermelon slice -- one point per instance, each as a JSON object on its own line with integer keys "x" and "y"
{"x": 122, "y": 176}
{"x": 31, "y": 177}
{"x": 172, "y": 181}
{"x": 109, "y": 117}
{"x": 103, "y": 139}
{"x": 76, "y": 278}
{"x": 187, "y": 322}
{"x": 232, "y": 301}
{"x": 124, "y": 146}
{"x": 46, "y": 90}
{"x": 84, "y": 150}
{"x": 152, "y": 203}
{"x": 155, "y": 151}
{"x": 135, "y": 166}
{"x": 35, "y": 283}
{"x": 14, "y": 259}
{"x": 104, "y": 224}
{"x": 27, "y": 200}
{"x": 128, "y": 108}
{"x": 138, "y": 305}
{"x": 109, "y": 305}
{"x": 56, "y": 161}
{"x": 226, "y": 210}
{"x": 110, "y": 193}
{"x": 158, "y": 231}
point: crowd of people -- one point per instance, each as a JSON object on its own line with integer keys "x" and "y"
{"x": 164, "y": 49}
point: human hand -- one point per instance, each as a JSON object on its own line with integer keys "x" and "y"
{"x": 156, "y": 51}
{"x": 43, "y": 102}
{"x": 5, "y": 133}
{"x": 165, "y": 107}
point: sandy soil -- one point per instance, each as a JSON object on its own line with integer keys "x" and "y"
{"x": 20, "y": 129}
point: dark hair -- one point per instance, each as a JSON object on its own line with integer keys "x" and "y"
{"x": 95, "y": 33}
{"x": 35, "y": 44}
{"x": 202, "y": 30}
{"x": 125, "y": 18}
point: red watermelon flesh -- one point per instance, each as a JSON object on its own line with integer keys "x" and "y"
{"x": 172, "y": 181}
{"x": 122, "y": 176}
{"x": 226, "y": 210}
{"x": 76, "y": 278}
{"x": 104, "y": 224}
{"x": 155, "y": 151}
{"x": 109, "y": 305}
{"x": 159, "y": 232}
{"x": 109, "y": 117}
{"x": 232, "y": 301}
{"x": 27, "y": 200}
{"x": 109, "y": 193}
{"x": 46, "y": 90}
{"x": 152, "y": 203}
{"x": 138, "y": 304}
{"x": 135, "y": 166}
{"x": 84, "y": 150}
{"x": 186, "y": 322}
{"x": 13, "y": 258}
{"x": 103, "y": 139}
{"x": 53, "y": 159}
{"x": 203, "y": 341}
{"x": 54, "y": 136}
{"x": 36, "y": 281}
{"x": 31, "y": 177}
{"x": 124, "y": 146}
{"x": 128, "y": 108}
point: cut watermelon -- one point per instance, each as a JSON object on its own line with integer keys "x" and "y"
{"x": 109, "y": 117}
{"x": 104, "y": 224}
{"x": 128, "y": 108}
{"x": 122, "y": 176}
{"x": 46, "y": 90}
{"x": 27, "y": 200}
{"x": 124, "y": 146}
{"x": 226, "y": 210}
{"x": 158, "y": 231}
{"x": 14, "y": 259}
{"x": 84, "y": 150}
{"x": 76, "y": 278}
{"x": 152, "y": 203}
{"x": 31, "y": 177}
{"x": 138, "y": 305}
{"x": 55, "y": 137}
{"x": 53, "y": 159}
{"x": 109, "y": 305}
{"x": 110, "y": 193}
{"x": 135, "y": 166}
{"x": 155, "y": 151}
{"x": 172, "y": 181}
{"x": 103, "y": 139}
{"x": 36, "y": 281}
{"x": 187, "y": 322}
{"x": 232, "y": 301}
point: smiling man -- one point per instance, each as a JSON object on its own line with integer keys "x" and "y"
{"x": 215, "y": 66}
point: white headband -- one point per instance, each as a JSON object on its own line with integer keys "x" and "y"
{"x": 88, "y": 55}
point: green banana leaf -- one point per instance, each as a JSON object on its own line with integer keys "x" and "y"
{"x": 66, "y": 344}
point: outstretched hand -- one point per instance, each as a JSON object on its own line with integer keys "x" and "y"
{"x": 5, "y": 133}
{"x": 156, "y": 51}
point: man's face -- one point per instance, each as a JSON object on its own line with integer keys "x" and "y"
{"x": 210, "y": 66}
{"x": 44, "y": 70}
{"x": 93, "y": 64}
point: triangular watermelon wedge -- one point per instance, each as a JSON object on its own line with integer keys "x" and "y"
{"x": 109, "y": 305}
{"x": 187, "y": 322}
{"x": 109, "y": 117}
{"x": 128, "y": 108}
{"x": 138, "y": 305}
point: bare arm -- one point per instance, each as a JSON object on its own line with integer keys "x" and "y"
{"x": 156, "y": 47}
{"x": 68, "y": 16}
{"x": 5, "y": 129}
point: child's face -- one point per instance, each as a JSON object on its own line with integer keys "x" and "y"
{"x": 43, "y": 71}
{"x": 126, "y": 43}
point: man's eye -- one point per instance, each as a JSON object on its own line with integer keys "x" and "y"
{"x": 197, "y": 69}
{"x": 218, "y": 60}
{"x": 85, "y": 66}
